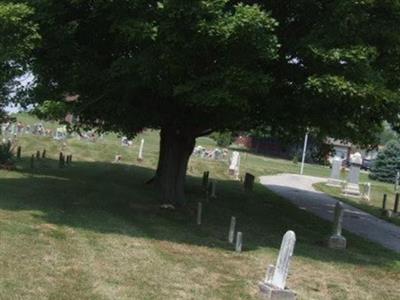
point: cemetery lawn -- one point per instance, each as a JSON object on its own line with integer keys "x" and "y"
{"x": 374, "y": 206}
{"x": 94, "y": 230}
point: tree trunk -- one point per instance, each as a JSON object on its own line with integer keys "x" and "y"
{"x": 176, "y": 147}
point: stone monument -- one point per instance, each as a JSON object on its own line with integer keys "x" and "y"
{"x": 336, "y": 240}
{"x": 334, "y": 179}
{"x": 352, "y": 187}
{"x": 273, "y": 286}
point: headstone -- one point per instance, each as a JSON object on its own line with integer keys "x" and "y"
{"x": 231, "y": 235}
{"x": 384, "y": 202}
{"x": 61, "y": 162}
{"x": 206, "y": 176}
{"x": 396, "y": 203}
{"x": 334, "y": 179}
{"x": 213, "y": 189}
{"x": 366, "y": 192}
{"x": 38, "y": 155}
{"x": 239, "y": 242}
{"x": 249, "y": 182}
{"x": 19, "y": 149}
{"x": 274, "y": 285}
{"x": 140, "y": 156}
{"x": 234, "y": 167}
{"x": 336, "y": 240}
{"x": 396, "y": 183}
{"x": 352, "y": 186}
{"x": 199, "y": 213}
{"x": 44, "y": 153}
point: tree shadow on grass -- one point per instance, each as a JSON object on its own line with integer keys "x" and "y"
{"x": 112, "y": 198}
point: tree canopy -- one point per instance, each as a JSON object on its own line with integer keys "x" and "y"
{"x": 17, "y": 38}
{"x": 193, "y": 67}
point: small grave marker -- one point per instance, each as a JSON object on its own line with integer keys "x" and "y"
{"x": 231, "y": 234}
{"x": 239, "y": 242}
{"x": 199, "y": 213}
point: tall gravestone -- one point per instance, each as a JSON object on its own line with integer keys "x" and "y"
{"x": 337, "y": 241}
{"x": 352, "y": 187}
{"x": 274, "y": 284}
{"x": 234, "y": 167}
{"x": 140, "y": 156}
{"x": 334, "y": 179}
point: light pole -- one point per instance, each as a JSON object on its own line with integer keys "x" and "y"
{"x": 304, "y": 154}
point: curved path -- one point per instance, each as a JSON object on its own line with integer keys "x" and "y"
{"x": 300, "y": 191}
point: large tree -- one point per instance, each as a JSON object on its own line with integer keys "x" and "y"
{"x": 17, "y": 38}
{"x": 192, "y": 67}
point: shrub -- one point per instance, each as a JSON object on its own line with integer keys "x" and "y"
{"x": 387, "y": 163}
{"x": 223, "y": 139}
{"x": 6, "y": 153}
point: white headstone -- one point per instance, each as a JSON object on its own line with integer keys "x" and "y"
{"x": 282, "y": 265}
{"x": 352, "y": 187}
{"x": 140, "y": 156}
{"x": 335, "y": 180}
{"x": 231, "y": 235}
{"x": 239, "y": 242}
{"x": 234, "y": 167}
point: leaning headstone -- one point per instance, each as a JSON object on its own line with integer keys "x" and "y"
{"x": 274, "y": 284}
{"x": 231, "y": 235}
{"x": 352, "y": 186}
{"x": 334, "y": 179}
{"x": 336, "y": 240}
{"x": 239, "y": 242}
{"x": 140, "y": 156}
{"x": 249, "y": 182}
{"x": 199, "y": 213}
{"x": 234, "y": 167}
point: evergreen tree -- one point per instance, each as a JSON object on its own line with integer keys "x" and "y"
{"x": 387, "y": 163}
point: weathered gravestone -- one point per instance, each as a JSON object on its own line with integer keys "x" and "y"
{"x": 334, "y": 179}
{"x": 231, "y": 234}
{"x": 140, "y": 156}
{"x": 239, "y": 242}
{"x": 44, "y": 154}
{"x": 274, "y": 284}
{"x": 199, "y": 213}
{"x": 206, "y": 176}
{"x": 213, "y": 189}
{"x": 248, "y": 182}
{"x": 234, "y": 167}
{"x": 336, "y": 240}
{"x": 366, "y": 194}
{"x": 352, "y": 187}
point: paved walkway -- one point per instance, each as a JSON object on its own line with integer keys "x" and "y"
{"x": 299, "y": 190}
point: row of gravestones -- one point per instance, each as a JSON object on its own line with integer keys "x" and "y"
{"x": 351, "y": 187}
{"x": 274, "y": 284}
{"x": 62, "y": 162}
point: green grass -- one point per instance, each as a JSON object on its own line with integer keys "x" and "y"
{"x": 374, "y": 205}
{"x": 94, "y": 230}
